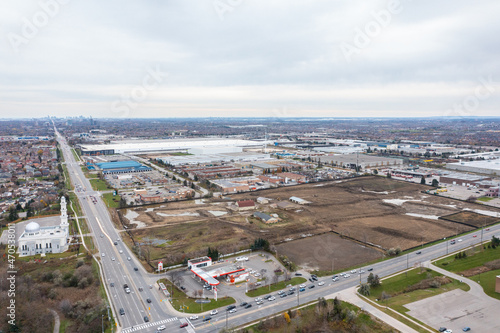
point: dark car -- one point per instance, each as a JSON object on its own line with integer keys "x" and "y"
{"x": 125, "y": 285}
{"x": 248, "y": 306}
{"x": 283, "y": 295}
{"x": 314, "y": 278}
{"x": 291, "y": 292}
{"x": 112, "y": 284}
{"x": 442, "y": 329}
{"x": 243, "y": 304}
{"x": 116, "y": 243}
{"x": 146, "y": 319}
{"x": 122, "y": 311}
{"x": 183, "y": 288}
{"x": 231, "y": 307}
{"x": 136, "y": 269}
{"x": 298, "y": 274}
{"x": 370, "y": 269}
{"x": 148, "y": 300}
{"x": 207, "y": 318}
{"x": 466, "y": 329}
{"x": 419, "y": 252}
{"x": 311, "y": 280}
{"x": 311, "y": 286}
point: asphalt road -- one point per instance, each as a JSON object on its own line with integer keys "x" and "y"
{"x": 121, "y": 271}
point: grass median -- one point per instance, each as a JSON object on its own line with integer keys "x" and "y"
{"x": 275, "y": 287}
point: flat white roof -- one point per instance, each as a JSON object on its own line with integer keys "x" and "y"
{"x": 493, "y": 164}
{"x": 174, "y": 144}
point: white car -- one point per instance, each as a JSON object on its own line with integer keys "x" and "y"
{"x": 302, "y": 286}
{"x": 257, "y": 274}
{"x": 214, "y": 312}
{"x": 347, "y": 275}
{"x": 353, "y": 271}
{"x": 193, "y": 317}
{"x": 272, "y": 298}
{"x": 121, "y": 251}
{"x": 102, "y": 254}
{"x": 258, "y": 299}
{"x": 161, "y": 328}
{"x": 321, "y": 283}
{"x": 113, "y": 258}
{"x": 232, "y": 310}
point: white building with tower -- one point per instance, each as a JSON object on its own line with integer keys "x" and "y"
{"x": 51, "y": 239}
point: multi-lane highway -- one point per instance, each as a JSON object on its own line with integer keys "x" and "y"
{"x": 121, "y": 270}
{"x": 117, "y": 269}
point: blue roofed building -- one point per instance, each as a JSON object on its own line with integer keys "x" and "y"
{"x": 122, "y": 167}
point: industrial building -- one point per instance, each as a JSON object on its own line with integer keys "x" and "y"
{"x": 122, "y": 167}
{"x": 362, "y": 160}
{"x": 462, "y": 179}
{"x": 490, "y": 167}
{"x": 192, "y": 146}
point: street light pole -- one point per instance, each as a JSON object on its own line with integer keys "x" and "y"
{"x": 102, "y": 323}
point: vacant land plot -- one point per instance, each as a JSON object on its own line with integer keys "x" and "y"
{"x": 327, "y": 252}
{"x": 376, "y": 211}
{"x": 471, "y": 218}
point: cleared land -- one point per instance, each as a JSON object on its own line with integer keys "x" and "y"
{"x": 376, "y": 211}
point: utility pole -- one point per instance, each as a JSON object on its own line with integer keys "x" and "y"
{"x": 226, "y": 320}
{"x": 102, "y": 323}
{"x": 407, "y": 265}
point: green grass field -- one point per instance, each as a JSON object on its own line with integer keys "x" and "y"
{"x": 275, "y": 287}
{"x": 485, "y": 199}
{"x": 99, "y": 185}
{"x": 487, "y": 281}
{"x": 181, "y": 302}
{"x": 112, "y": 201}
{"x": 473, "y": 260}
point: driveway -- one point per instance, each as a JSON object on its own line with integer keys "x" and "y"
{"x": 457, "y": 308}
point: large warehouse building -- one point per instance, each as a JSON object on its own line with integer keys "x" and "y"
{"x": 194, "y": 146}
{"x": 490, "y": 167}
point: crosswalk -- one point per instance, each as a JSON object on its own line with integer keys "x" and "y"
{"x": 146, "y": 325}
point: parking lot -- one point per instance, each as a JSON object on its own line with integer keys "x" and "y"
{"x": 259, "y": 265}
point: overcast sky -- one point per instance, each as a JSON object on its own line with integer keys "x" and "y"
{"x": 275, "y": 58}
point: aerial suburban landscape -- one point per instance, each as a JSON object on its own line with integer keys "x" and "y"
{"x": 249, "y": 166}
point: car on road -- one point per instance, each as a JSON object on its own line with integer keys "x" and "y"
{"x": 370, "y": 269}
{"x": 257, "y": 274}
{"x": 214, "y": 312}
{"x": 121, "y": 251}
{"x": 466, "y": 329}
{"x": 243, "y": 304}
{"x": 418, "y": 252}
{"x": 136, "y": 269}
{"x": 112, "y": 284}
{"x": 193, "y": 317}
{"x": 283, "y": 295}
{"x": 116, "y": 243}
{"x": 122, "y": 311}
{"x": 442, "y": 329}
{"x": 311, "y": 286}
{"x": 102, "y": 235}
{"x": 302, "y": 289}
{"x": 302, "y": 286}
{"x": 103, "y": 254}
{"x": 448, "y": 331}
{"x": 272, "y": 298}
{"x": 335, "y": 279}
{"x": 148, "y": 300}
{"x": 259, "y": 302}
{"x": 183, "y": 325}
{"x": 321, "y": 283}
{"x": 353, "y": 271}
{"x": 127, "y": 290}
{"x": 248, "y": 306}
{"x": 141, "y": 289}
{"x": 125, "y": 285}
{"x": 474, "y": 236}
{"x": 229, "y": 308}
{"x": 161, "y": 328}
{"x": 146, "y": 319}
{"x": 311, "y": 280}
{"x": 207, "y": 318}
{"x": 291, "y": 292}
{"x": 232, "y": 310}
{"x": 258, "y": 299}
{"x": 487, "y": 229}
{"x": 452, "y": 242}
{"x": 113, "y": 258}
{"x": 128, "y": 258}
{"x": 347, "y": 275}
{"x": 460, "y": 240}
{"x": 361, "y": 271}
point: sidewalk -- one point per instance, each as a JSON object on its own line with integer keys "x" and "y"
{"x": 350, "y": 296}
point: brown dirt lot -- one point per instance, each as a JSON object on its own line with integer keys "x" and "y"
{"x": 323, "y": 251}
{"x": 472, "y": 218}
{"x": 370, "y": 209}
